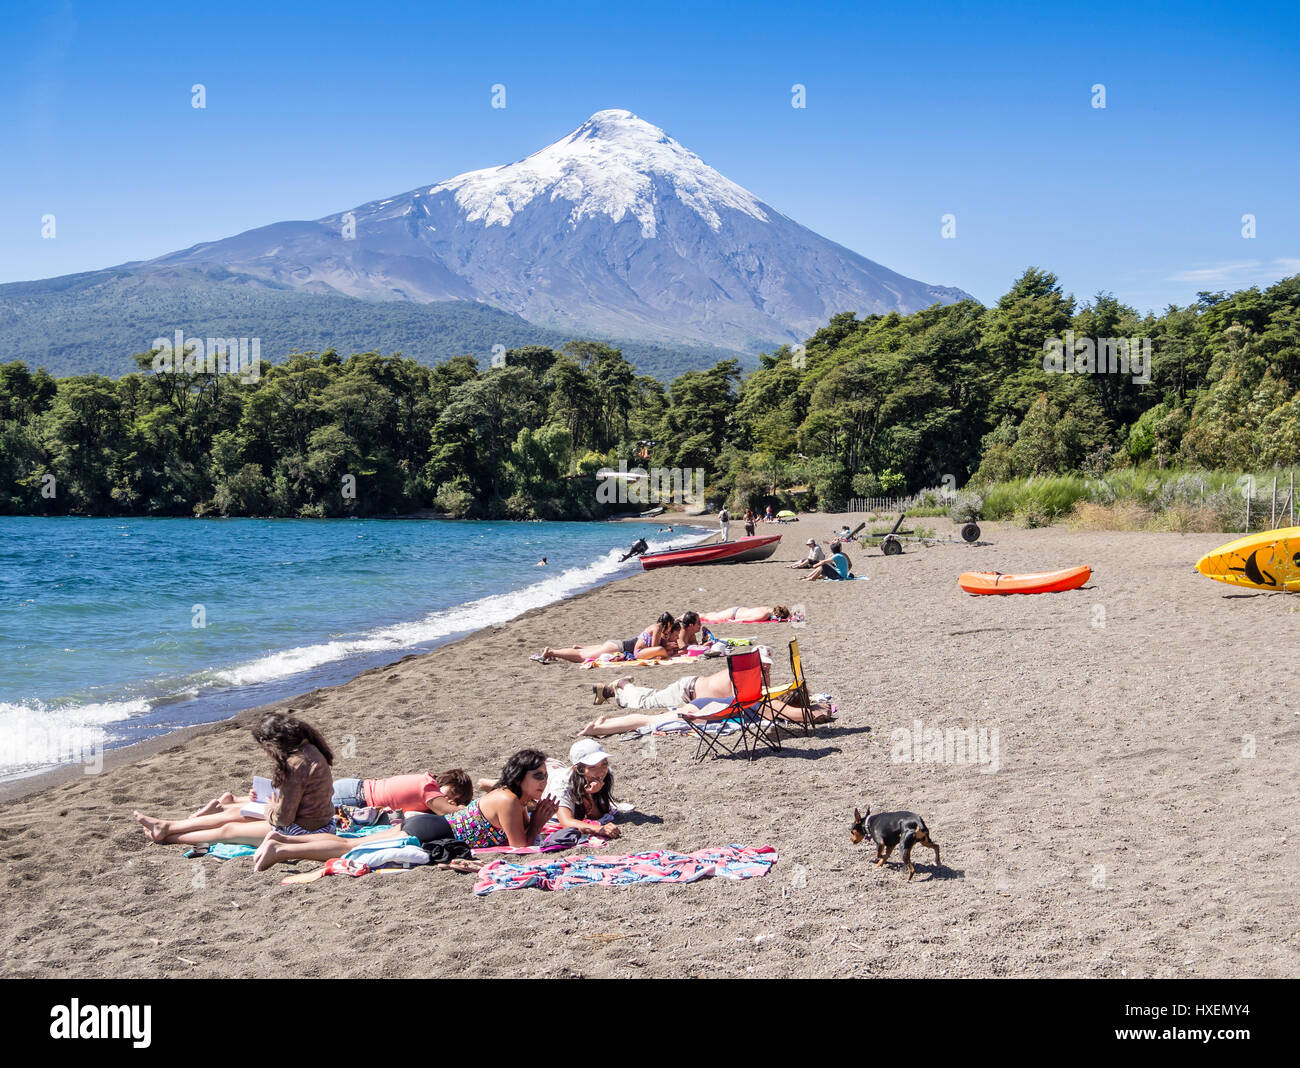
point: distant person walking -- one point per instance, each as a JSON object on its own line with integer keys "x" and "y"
{"x": 749, "y": 523}
{"x": 724, "y": 522}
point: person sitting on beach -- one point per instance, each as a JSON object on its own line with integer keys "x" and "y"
{"x": 303, "y": 802}
{"x": 694, "y": 632}
{"x": 816, "y": 554}
{"x": 738, "y": 614}
{"x": 839, "y": 566}
{"x": 513, "y": 812}
{"x": 443, "y": 793}
{"x": 582, "y": 792}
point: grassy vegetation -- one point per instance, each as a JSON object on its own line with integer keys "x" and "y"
{"x": 1140, "y": 498}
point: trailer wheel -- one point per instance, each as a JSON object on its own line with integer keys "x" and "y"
{"x": 970, "y": 532}
{"x": 891, "y": 546}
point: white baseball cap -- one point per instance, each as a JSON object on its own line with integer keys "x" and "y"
{"x": 586, "y": 751}
{"x": 811, "y": 541}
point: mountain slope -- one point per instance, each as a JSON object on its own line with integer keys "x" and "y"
{"x": 616, "y": 228}
{"x": 96, "y": 322}
{"x": 613, "y": 232}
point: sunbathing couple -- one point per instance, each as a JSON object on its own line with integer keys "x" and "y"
{"x": 301, "y": 821}
{"x": 715, "y": 687}
{"x": 666, "y": 637}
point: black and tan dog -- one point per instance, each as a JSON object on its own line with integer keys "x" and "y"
{"x": 888, "y": 829}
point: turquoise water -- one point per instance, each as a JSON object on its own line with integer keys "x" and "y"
{"x": 112, "y": 630}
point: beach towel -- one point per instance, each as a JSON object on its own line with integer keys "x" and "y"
{"x": 603, "y": 661}
{"x": 555, "y": 838}
{"x": 230, "y": 851}
{"x": 337, "y": 866}
{"x": 659, "y": 866}
{"x": 405, "y": 851}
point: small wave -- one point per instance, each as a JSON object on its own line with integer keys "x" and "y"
{"x": 36, "y": 735}
{"x": 460, "y": 619}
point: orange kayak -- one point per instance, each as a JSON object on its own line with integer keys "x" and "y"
{"x": 1070, "y": 578}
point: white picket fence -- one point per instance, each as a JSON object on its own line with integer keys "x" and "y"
{"x": 901, "y": 504}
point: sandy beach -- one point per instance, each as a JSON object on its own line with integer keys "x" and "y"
{"x": 1134, "y": 815}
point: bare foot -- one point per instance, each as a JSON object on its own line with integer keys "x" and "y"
{"x": 156, "y": 830}
{"x": 214, "y": 805}
{"x": 268, "y": 852}
{"x": 589, "y": 731}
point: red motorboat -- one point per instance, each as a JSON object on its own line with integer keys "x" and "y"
{"x": 740, "y": 551}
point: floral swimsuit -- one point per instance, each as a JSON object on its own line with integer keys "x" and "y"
{"x": 470, "y": 826}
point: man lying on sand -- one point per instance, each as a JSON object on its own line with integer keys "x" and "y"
{"x": 715, "y": 687}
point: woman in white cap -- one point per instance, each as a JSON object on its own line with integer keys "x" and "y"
{"x": 816, "y": 554}
{"x": 582, "y": 792}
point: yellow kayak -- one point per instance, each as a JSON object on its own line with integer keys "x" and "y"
{"x": 1269, "y": 560}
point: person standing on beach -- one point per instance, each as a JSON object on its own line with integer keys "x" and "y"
{"x": 749, "y": 522}
{"x": 724, "y": 520}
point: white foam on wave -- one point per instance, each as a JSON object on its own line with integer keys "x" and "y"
{"x": 35, "y": 735}
{"x": 473, "y": 615}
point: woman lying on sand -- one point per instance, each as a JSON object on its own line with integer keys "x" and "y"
{"x": 583, "y": 793}
{"x": 650, "y": 644}
{"x": 694, "y": 632}
{"x": 759, "y": 614}
{"x": 441, "y": 794}
{"x": 500, "y": 817}
{"x": 822, "y": 712}
{"x": 303, "y": 803}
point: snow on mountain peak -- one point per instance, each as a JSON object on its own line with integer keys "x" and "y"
{"x": 607, "y": 166}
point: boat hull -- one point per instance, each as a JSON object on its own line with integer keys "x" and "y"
{"x": 740, "y": 551}
{"x": 1070, "y": 578}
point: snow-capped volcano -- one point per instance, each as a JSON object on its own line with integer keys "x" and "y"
{"x": 607, "y": 166}
{"x": 614, "y": 230}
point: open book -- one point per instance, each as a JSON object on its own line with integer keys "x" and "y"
{"x": 260, "y": 794}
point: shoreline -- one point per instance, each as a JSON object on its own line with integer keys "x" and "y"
{"x": 1101, "y": 845}
{"x": 27, "y": 785}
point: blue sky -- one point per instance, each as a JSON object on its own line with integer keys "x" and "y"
{"x": 912, "y": 112}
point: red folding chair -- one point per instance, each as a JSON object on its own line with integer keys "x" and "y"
{"x": 750, "y": 707}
